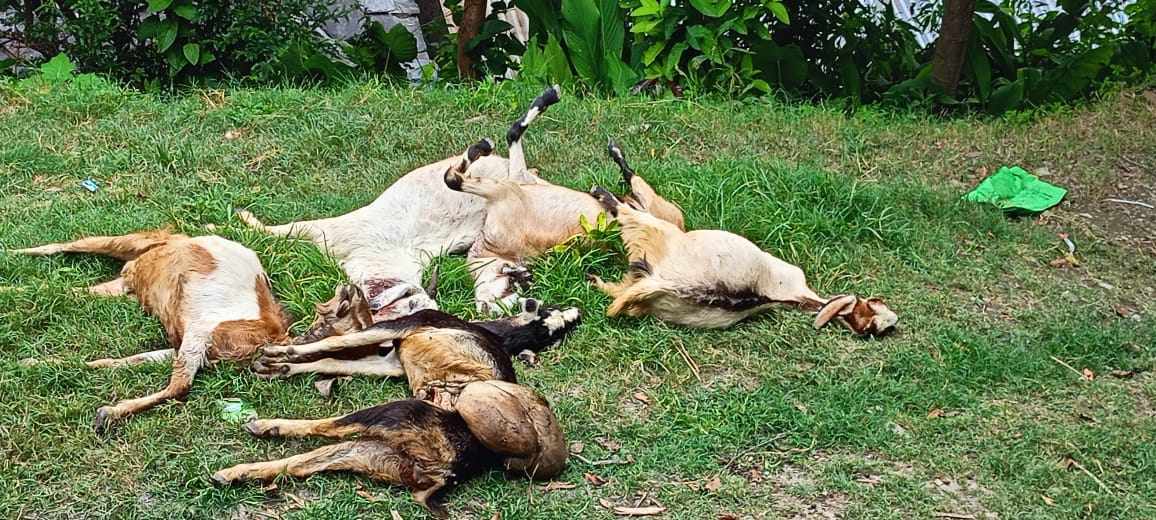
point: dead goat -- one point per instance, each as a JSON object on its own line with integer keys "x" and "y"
{"x": 423, "y": 447}
{"x": 524, "y": 220}
{"x": 384, "y": 246}
{"x": 436, "y": 351}
{"x": 211, "y": 295}
{"x": 713, "y": 279}
{"x": 468, "y": 413}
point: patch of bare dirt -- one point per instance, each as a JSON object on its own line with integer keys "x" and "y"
{"x": 961, "y": 497}
{"x": 788, "y": 487}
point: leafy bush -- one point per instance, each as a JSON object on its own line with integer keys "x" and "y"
{"x": 708, "y": 44}
{"x": 172, "y": 39}
{"x": 583, "y": 40}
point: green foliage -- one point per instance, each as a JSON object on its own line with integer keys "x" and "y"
{"x": 708, "y": 44}
{"x": 161, "y": 41}
{"x": 583, "y": 40}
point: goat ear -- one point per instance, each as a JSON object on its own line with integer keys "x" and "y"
{"x": 838, "y": 306}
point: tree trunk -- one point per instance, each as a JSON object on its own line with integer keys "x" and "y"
{"x": 951, "y": 47}
{"x": 473, "y": 14}
{"x": 432, "y": 21}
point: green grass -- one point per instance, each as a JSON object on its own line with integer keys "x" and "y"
{"x": 791, "y": 421}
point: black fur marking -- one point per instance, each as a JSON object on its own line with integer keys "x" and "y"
{"x": 546, "y": 98}
{"x": 620, "y": 160}
{"x": 398, "y": 414}
{"x": 728, "y": 299}
{"x": 533, "y": 336}
{"x": 516, "y": 130}
{"x": 606, "y": 199}
{"x": 453, "y": 180}
{"x": 641, "y": 268}
{"x": 479, "y": 149}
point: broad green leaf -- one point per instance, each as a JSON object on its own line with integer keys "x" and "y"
{"x": 621, "y": 76}
{"x": 784, "y": 66}
{"x": 652, "y": 52}
{"x": 149, "y": 27}
{"x": 401, "y": 43}
{"x": 780, "y": 12}
{"x": 156, "y": 6}
{"x": 187, "y": 11}
{"x": 711, "y": 8}
{"x": 981, "y": 69}
{"x": 556, "y": 62}
{"x": 167, "y": 34}
{"x": 700, "y": 37}
{"x": 533, "y": 63}
{"x": 672, "y": 60}
{"x": 645, "y": 10}
{"x": 1006, "y": 97}
{"x": 582, "y": 34}
{"x": 644, "y": 26}
{"x": 176, "y": 61}
{"x": 489, "y": 29}
{"x": 585, "y": 224}
{"x": 58, "y": 70}
{"x": 613, "y": 27}
{"x": 192, "y": 53}
{"x": 207, "y": 56}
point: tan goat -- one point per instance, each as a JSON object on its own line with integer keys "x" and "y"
{"x": 211, "y": 295}
{"x": 714, "y": 279}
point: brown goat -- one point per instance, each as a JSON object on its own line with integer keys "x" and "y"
{"x": 211, "y": 295}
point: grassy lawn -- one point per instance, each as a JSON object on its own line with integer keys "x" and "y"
{"x": 970, "y": 409}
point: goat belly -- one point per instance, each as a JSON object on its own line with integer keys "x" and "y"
{"x": 516, "y": 423}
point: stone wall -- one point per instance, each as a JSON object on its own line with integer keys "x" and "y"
{"x": 389, "y": 13}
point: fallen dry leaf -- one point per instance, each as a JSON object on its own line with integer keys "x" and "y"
{"x": 1089, "y": 375}
{"x": 611, "y": 445}
{"x": 1066, "y": 463}
{"x": 1123, "y": 374}
{"x": 641, "y": 397}
{"x": 576, "y": 447}
{"x": 755, "y": 476}
{"x": 713, "y": 484}
{"x": 870, "y": 480}
{"x": 606, "y": 503}
{"x": 639, "y": 511}
{"x": 594, "y": 480}
{"x": 727, "y": 516}
{"x": 1048, "y": 500}
{"x": 232, "y": 134}
{"x": 555, "y": 485}
{"x": 394, "y": 514}
{"x": 1125, "y": 311}
{"x": 272, "y": 487}
{"x": 938, "y": 412}
{"x": 324, "y": 387}
{"x": 959, "y": 516}
{"x": 368, "y": 496}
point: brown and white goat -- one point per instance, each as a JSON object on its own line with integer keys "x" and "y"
{"x": 468, "y": 413}
{"x": 524, "y": 220}
{"x": 384, "y": 246}
{"x": 211, "y": 295}
{"x": 714, "y": 279}
{"x": 432, "y": 349}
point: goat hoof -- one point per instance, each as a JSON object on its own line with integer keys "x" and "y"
{"x": 220, "y": 479}
{"x": 104, "y": 420}
{"x": 255, "y": 429}
{"x": 593, "y": 278}
{"x": 453, "y": 180}
{"x": 608, "y": 201}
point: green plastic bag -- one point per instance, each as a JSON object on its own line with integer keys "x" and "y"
{"x": 1016, "y": 191}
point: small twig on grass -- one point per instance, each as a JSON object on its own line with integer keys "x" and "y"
{"x": 1069, "y": 367}
{"x": 689, "y": 361}
{"x": 953, "y": 515}
{"x": 748, "y": 451}
{"x": 1103, "y": 486}
{"x": 1132, "y": 202}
